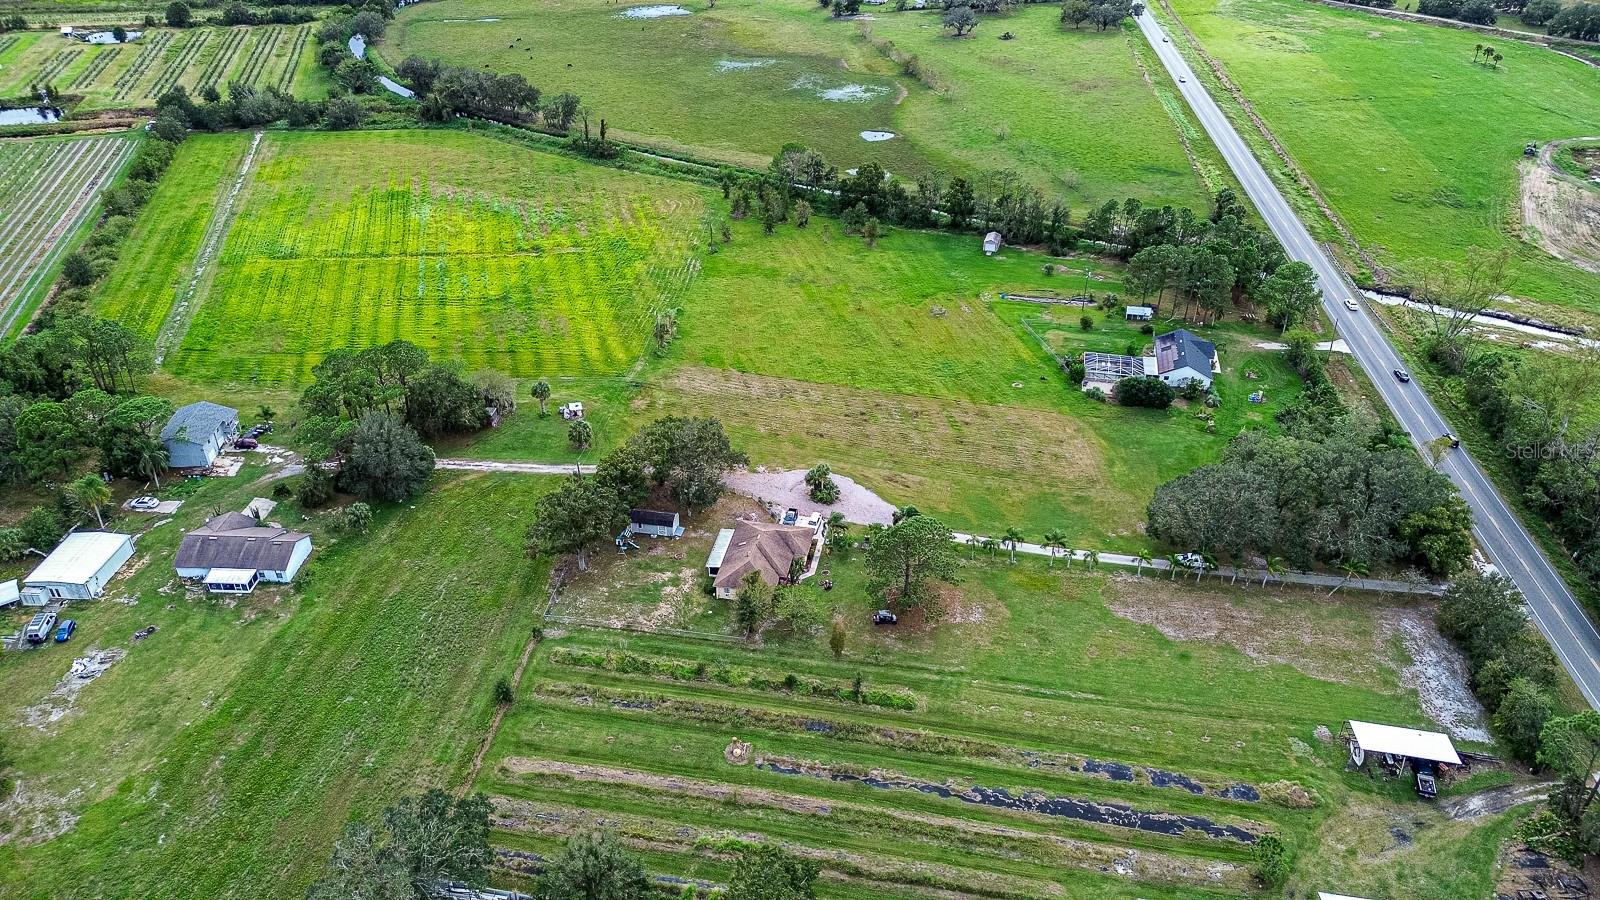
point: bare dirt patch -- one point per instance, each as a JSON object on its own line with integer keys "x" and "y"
{"x": 64, "y": 696}
{"x": 1438, "y": 673}
{"x": 1560, "y": 212}
{"x": 787, "y": 488}
{"x": 1265, "y": 625}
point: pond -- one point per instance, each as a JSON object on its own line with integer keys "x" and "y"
{"x": 653, "y": 12}
{"x": 358, "y": 46}
{"x": 32, "y": 115}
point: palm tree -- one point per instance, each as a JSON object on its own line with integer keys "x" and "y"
{"x": 1092, "y": 557}
{"x": 1497, "y": 58}
{"x": 1354, "y": 569}
{"x": 972, "y": 543}
{"x": 1173, "y": 565}
{"x": 151, "y": 460}
{"x": 88, "y": 494}
{"x": 1054, "y": 539}
{"x": 541, "y": 393}
{"x": 1477, "y": 50}
{"x": 904, "y": 513}
{"x": 1208, "y": 563}
{"x": 1013, "y": 537}
{"x": 1142, "y": 560}
{"x": 1274, "y": 568}
{"x": 991, "y": 545}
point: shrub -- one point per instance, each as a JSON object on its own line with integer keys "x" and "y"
{"x": 1271, "y": 860}
{"x": 1138, "y": 390}
{"x": 502, "y": 692}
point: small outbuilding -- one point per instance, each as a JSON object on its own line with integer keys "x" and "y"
{"x": 10, "y": 593}
{"x": 80, "y": 567}
{"x": 1394, "y": 749}
{"x": 653, "y": 522}
{"x": 573, "y": 410}
{"x": 992, "y": 243}
{"x": 196, "y": 434}
{"x": 1138, "y": 313}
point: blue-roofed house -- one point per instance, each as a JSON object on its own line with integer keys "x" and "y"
{"x": 1182, "y": 356}
{"x": 197, "y": 433}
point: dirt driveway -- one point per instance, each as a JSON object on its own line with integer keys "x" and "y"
{"x": 788, "y": 489}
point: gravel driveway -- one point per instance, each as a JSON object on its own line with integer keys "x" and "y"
{"x": 787, "y": 489}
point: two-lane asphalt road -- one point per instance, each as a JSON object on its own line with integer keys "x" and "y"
{"x": 1508, "y": 545}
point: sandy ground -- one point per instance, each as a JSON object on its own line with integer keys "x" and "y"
{"x": 1438, "y": 673}
{"x": 1559, "y": 212}
{"x": 788, "y": 489}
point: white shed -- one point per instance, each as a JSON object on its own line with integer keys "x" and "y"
{"x": 992, "y": 243}
{"x": 1391, "y": 740}
{"x": 81, "y": 565}
{"x": 9, "y": 593}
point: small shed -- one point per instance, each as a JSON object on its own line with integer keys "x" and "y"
{"x": 992, "y": 243}
{"x": 1400, "y": 744}
{"x": 81, "y": 566}
{"x": 654, "y": 522}
{"x": 9, "y": 593}
{"x": 1139, "y": 313}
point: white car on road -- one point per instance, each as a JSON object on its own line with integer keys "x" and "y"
{"x": 1352, "y": 305}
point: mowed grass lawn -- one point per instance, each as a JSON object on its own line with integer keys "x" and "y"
{"x": 472, "y": 248}
{"x": 223, "y": 755}
{"x": 1069, "y": 111}
{"x": 1415, "y": 145}
{"x": 902, "y": 368}
{"x": 1030, "y": 673}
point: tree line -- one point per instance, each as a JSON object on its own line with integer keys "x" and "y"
{"x": 1330, "y": 489}
{"x": 419, "y": 843}
{"x": 1580, "y": 21}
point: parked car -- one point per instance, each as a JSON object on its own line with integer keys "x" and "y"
{"x": 65, "y": 629}
{"x": 1402, "y": 375}
{"x": 1351, "y": 304}
{"x": 1191, "y": 560}
{"x": 38, "y": 630}
{"x": 245, "y": 443}
{"x": 884, "y": 617}
{"x": 790, "y": 516}
{"x": 143, "y": 503}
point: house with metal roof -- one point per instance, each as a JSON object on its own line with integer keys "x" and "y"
{"x": 79, "y": 568}
{"x": 1183, "y": 356}
{"x": 653, "y": 522}
{"x": 196, "y": 434}
{"x": 232, "y": 553}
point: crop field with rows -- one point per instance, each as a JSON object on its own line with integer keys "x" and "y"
{"x": 134, "y": 74}
{"x": 48, "y": 189}
{"x": 472, "y": 248}
{"x": 1037, "y": 742}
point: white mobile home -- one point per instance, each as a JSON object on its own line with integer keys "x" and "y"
{"x": 80, "y": 567}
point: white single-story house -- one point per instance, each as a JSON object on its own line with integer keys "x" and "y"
{"x": 763, "y": 547}
{"x": 992, "y": 243}
{"x": 196, "y": 434}
{"x": 653, "y": 522}
{"x": 1138, "y": 313}
{"x": 1182, "y": 356}
{"x": 232, "y": 553}
{"x": 79, "y": 568}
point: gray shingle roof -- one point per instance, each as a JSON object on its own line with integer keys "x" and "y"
{"x": 236, "y": 541}
{"x": 1177, "y": 349}
{"x": 198, "y": 420}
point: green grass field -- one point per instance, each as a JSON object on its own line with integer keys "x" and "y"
{"x": 472, "y": 248}
{"x": 221, "y": 757}
{"x": 902, "y": 368}
{"x": 1415, "y": 145}
{"x": 1032, "y": 678}
{"x": 134, "y": 74}
{"x": 1068, "y": 111}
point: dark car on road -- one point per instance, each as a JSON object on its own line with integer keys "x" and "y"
{"x": 1402, "y": 375}
{"x": 245, "y": 444}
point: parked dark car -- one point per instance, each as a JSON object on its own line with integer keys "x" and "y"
{"x": 1427, "y": 783}
{"x": 884, "y": 617}
{"x": 65, "y": 629}
{"x": 245, "y": 443}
